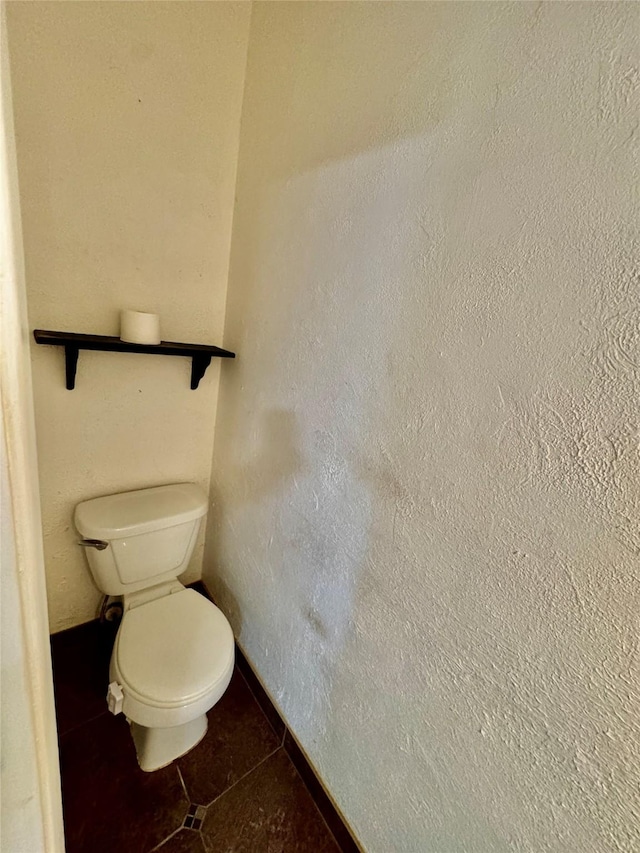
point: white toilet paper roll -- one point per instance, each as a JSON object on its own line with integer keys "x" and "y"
{"x": 136, "y": 327}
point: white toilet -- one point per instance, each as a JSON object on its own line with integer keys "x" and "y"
{"x": 174, "y": 652}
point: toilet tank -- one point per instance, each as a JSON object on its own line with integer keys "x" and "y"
{"x": 150, "y": 535}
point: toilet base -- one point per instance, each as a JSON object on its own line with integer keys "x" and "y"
{"x": 157, "y": 747}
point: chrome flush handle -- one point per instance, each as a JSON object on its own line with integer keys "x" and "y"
{"x": 98, "y": 544}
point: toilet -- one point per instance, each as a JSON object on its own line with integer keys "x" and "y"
{"x": 174, "y": 651}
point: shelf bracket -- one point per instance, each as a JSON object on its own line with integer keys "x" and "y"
{"x": 199, "y": 364}
{"x": 70, "y": 364}
{"x": 200, "y": 354}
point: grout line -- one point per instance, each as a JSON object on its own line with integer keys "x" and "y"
{"x": 244, "y": 776}
{"x": 205, "y": 845}
{"x": 164, "y": 840}
{"x": 81, "y": 724}
{"x": 175, "y": 832}
{"x": 184, "y": 787}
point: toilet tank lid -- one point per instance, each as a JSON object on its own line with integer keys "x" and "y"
{"x": 142, "y": 511}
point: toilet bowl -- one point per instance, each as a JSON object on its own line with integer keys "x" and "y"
{"x": 173, "y": 659}
{"x": 173, "y": 656}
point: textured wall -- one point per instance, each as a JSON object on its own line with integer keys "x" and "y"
{"x": 426, "y": 477}
{"x": 127, "y": 121}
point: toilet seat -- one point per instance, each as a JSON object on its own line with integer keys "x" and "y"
{"x": 174, "y": 652}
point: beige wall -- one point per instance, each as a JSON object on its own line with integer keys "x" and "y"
{"x": 127, "y": 119}
{"x": 426, "y": 470}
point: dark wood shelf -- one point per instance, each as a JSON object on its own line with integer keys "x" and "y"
{"x": 200, "y": 354}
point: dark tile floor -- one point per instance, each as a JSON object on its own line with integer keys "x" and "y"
{"x": 236, "y": 792}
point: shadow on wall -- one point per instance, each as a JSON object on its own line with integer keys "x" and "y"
{"x": 270, "y": 464}
{"x": 360, "y": 88}
{"x": 271, "y": 458}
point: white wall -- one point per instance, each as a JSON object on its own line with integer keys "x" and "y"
{"x": 30, "y": 803}
{"x": 127, "y": 122}
{"x": 426, "y": 514}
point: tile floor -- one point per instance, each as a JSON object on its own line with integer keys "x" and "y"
{"x": 236, "y": 792}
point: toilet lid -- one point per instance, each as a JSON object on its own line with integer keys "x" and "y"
{"x": 174, "y": 649}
